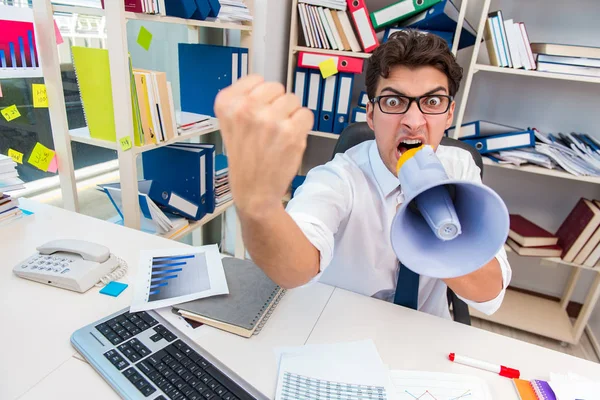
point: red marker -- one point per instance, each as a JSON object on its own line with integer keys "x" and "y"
{"x": 499, "y": 369}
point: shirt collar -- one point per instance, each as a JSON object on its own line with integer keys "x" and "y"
{"x": 385, "y": 179}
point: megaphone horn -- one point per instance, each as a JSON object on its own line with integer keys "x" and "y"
{"x": 459, "y": 227}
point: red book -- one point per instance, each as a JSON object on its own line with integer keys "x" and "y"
{"x": 537, "y": 251}
{"x": 577, "y": 228}
{"x": 131, "y": 5}
{"x": 528, "y": 234}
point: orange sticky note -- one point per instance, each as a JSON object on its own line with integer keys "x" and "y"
{"x": 41, "y": 157}
{"x": 59, "y": 38}
{"x": 53, "y": 167}
{"x": 40, "y": 98}
{"x": 328, "y": 68}
{"x": 11, "y": 112}
{"x": 16, "y": 156}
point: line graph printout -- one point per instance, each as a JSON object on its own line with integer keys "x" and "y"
{"x": 172, "y": 276}
{"x": 418, "y": 385}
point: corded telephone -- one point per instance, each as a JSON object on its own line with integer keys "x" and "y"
{"x": 72, "y": 264}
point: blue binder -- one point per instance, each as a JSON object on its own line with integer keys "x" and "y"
{"x": 442, "y": 17}
{"x": 478, "y": 128}
{"x": 215, "y": 7}
{"x": 169, "y": 200}
{"x": 326, "y": 113}
{"x": 363, "y": 99}
{"x": 180, "y": 8}
{"x": 202, "y": 10}
{"x": 301, "y": 85}
{"x": 313, "y": 102}
{"x": 203, "y": 71}
{"x": 242, "y": 62}
{"x": 359, "y": 114}
{"x": 505, "y": 141}
{"x": 344, "y": 95}
{"x": 447, "y": 36}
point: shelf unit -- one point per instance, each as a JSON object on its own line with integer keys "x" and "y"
{"x": 522, "y": 311}
{"x": 116, "y": 20}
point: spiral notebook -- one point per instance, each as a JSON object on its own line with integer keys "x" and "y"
{"x": 244, "y": 311}
{"x": 534, "y": 389}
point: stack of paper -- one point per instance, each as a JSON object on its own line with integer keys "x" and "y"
{"x": 189, "y": 123}
{"x": 9, "y": 181}
{"x": 234, "y": 11}
{"x": 346, "y": 371}
{"x": 222, "y": 190}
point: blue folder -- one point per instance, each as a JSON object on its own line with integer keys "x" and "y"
{"x": 442, "y": 17}
{"x": 328, "y": 100}
{"x": 363, "y": 99}
{"x": 204, "y": 70}
{"x": 180, "y": 8}
{"x": 313, "y": 102}
{"x": 505, "y": 141}
{"x": 301, "y": 85}
{"x": 478, "y": 128}
{"x": 202, "y": 10}
{"x": 344, "y": 96}
{"x": 359, "y": 114}
{"x": 215, "y": 7}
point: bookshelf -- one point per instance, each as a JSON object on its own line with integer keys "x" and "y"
{"x": 117, "y": 46}
{"x": 524, "y": 311}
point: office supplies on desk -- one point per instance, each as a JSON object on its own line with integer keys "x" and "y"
{"x": 171, "y": 276}
{"x": 129, "y": 349}
{"x": 498, "y": 369}
{"x": 251, "y": 300}
{"x": 113, "y": 289}
{"x": 71, "y": 264}
{"x": 411, "y": 385}
{"x": 340, "y": 371}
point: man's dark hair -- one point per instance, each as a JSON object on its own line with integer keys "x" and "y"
{"x": 412, "y": 49}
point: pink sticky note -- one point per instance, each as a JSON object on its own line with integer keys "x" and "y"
{"x": 53, "y": 167}
{"x": 59, "y": 38}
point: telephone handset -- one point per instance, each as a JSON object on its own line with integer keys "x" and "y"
{"x": 71, "y": 264}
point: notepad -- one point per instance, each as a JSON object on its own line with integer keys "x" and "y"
{"x": 251, "y": 300}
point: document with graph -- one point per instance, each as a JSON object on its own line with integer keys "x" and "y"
{"x": 412, "y": 385}
{"x": 172, "y": 276}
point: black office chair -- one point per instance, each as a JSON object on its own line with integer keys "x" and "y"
{"x": 359, "y": 132}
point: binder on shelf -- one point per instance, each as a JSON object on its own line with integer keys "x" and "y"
{"x": 242, "y": 62}
{"x": 326, "y": 113}
{"x": 200, "y": 81}
{"x": 505, "y": 141}
{"x": 171, "y": 201}
{"x": 359, "y": 114}
{"x": 364, "y": 29}
{"x": 443, "y": 16}
{"x": 363, "y": 99}
{"x": 344, "y": 63}
{"x": 202, "y": 10}
{"x": 398, "y": 11}
{"x": 313, "y": 97}
{"x": 501, "y": 36}
{"x": 180, "y": 8}
{"x": 344, "y": 96}
{"x": 215, "y": 7}
{"x": 301, "y": 85}
{"x": 447, "y": 36}
{"x": 478, "y": 128}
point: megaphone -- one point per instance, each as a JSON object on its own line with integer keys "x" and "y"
{"x": 445, "y": 227}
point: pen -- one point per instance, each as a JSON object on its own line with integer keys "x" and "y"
{"x": 499, "y": 369}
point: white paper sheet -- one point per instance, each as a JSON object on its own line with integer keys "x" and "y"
{"x": 338, "y": 371}
{"x": 411, "y": 385}
{"x": 171, "y": 276}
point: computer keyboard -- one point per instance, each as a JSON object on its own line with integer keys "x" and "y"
{"x": 143, "y": 356}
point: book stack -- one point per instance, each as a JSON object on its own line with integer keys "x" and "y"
{"x": 528, "y": 239}
{"x": 507, "y": 43}
{"x": 191, "y": 123}
{"x": 222, "y": 190}
{"x": 233, "y": 11}
{"x": 9, "y": 181}
{"x": 567, "y": 59}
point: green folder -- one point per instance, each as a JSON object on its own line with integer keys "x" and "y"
{"x": 93, "y": 77}
{"x": 399, "y": 11}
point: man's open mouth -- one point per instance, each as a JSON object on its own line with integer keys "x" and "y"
{"x": 408, "y": 144}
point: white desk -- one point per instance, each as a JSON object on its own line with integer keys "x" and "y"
{"x": 39, "y": 362}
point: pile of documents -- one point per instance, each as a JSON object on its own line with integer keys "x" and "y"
{"x": 578, "y": 154}
{"x": 222, "y": 190}
{"x": 9, "y": 180}
{"x": 191, "y": 123}
{"x": 234, "y": 11}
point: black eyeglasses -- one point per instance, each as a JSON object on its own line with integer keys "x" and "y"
{"x": 398, "y": 104}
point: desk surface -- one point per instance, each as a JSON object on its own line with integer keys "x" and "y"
{"x": 40, "y": 319}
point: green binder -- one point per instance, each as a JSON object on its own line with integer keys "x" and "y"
{"x": 399, "y": 11}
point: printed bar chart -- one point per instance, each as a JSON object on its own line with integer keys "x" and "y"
{"x": 19, "y": 55}
{"x": 173, "y": 276}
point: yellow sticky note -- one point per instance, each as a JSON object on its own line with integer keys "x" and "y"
{"x": 16, "y": 156}
{"x": 40, "y": 99}
{"x": 41, "y": 157}
{"x": 328, "y": 68}
{"x": 125, "y": 143}
{"x": 144, "y": 38}
{"x": 9, "y": 113}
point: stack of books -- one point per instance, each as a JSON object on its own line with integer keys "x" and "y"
{"x": 529, "y": 239}
{"x": 191, "y": 123}
{"x": 567, "y": 59}
{"x": 222, "y": 190}
{"x": 507, "y": 43}
{"x": 234, "y": 11}
{"x": 9, "y": 181}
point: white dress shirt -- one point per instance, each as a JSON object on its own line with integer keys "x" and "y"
{"x": 345, "y": 208}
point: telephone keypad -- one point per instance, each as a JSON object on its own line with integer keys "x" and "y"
{"x": 54, "y": 264}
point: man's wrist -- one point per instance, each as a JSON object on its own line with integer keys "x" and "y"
{"x": 258, "y": 209}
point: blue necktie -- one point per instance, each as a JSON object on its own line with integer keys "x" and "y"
{"x": 407, "y": 289}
